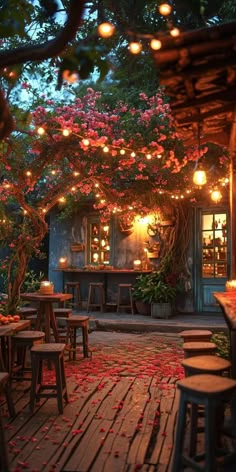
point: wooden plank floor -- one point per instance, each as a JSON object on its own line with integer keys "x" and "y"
{"x": 121, "y": 415}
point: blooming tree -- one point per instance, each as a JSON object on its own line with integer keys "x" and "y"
{"x": 126, "y": 158}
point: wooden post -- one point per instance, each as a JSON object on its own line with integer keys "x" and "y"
{"x": 232, "y": 150}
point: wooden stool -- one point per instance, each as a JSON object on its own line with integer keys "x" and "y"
{"x": 22, "y": 341}
{"x": 4, "y": 459}
{"x": 72, "y": 324}
{"x": 196, "y": 348}
{"x": 5, "y": 385}
{"x": 96, "y": 296}
{"x": 200, "y": 390}
{"x": 74, "y": 288}
{"x": 26, "y": 311}
{"x": 53, "y": 352}
{"x": 205, "y": 365}
{"x": 62, "y": 312}
{"x": 192, "y": 335}
{"x": 125, "y": 289}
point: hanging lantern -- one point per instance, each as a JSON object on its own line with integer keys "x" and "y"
{"x": 165, "y": 9}
{"x": 216, "y": 195}
{"x": 199, "y": 176}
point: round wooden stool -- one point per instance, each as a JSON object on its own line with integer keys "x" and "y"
{"x": 26, "y": 312}
{"x": 96, "y": 296}
{"x": 74, "y": 289}
{"x": 192, "y": 335}
{"x": 125, "y": 290}
{"x": 205, "y": 365}
{"x": 51, "y": 352}
{"x": 196, "y": 348}
{"x": 21, "y": 342}
{"x": 5, "y": 386}
{"x": 205, "y": 390}
{"x": 73, "y": 324}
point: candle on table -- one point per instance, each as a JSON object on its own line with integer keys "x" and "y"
{"x": 63, "y": 263}
{"x": 137, "y": 264}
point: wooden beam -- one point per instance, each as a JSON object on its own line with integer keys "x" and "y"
{"x": 227, "y": 95}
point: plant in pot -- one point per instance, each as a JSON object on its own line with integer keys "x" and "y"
{"x": 140, "y": 298}
{"x": 157, "y": 292}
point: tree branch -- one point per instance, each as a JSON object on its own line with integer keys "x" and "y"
{"x": 50, "y": 48}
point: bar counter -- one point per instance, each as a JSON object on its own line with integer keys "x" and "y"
{"x": 227, "y": 302}
{"x": 110, "y": 277}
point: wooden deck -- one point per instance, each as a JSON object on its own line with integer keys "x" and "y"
{"x": 121, "y": 414}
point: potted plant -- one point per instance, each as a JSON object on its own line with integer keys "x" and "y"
{"x": 155, "y": 290}
{"x": 140, "y": 298}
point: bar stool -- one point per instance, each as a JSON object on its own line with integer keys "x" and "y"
{"x": 73, "y": 324}
{"x": 193, "y": 335}
{"x": 96, "y": 296}
{"x": 196, "y": 348}
{"x": 125, "y": 290}
{"x": 26, "y": 311}
{"x": 74, "y": 289}
{"x": 206, "y": 365}
{"x": 52, "y": 352}
{"x": 21, "y": 342}
{"x": 5, "y": 386}
{"x": 195, "y": 391}
{"x": 4, "y": 459}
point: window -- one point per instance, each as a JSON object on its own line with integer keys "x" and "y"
{"x": 99, "y": 242}
{"x": 214, "y": 245}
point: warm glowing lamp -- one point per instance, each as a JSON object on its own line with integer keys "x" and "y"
{"x": 106, "y": 29}
{"x": 199, "y": 176}
{"x": 216, "y": 195}
{"x": 165, "y": 9}
{"x": 174, "y": 32}
{"x": 135, "y": 47}
{"x": 70, "y": 76}
{"x": 155, "y": 44}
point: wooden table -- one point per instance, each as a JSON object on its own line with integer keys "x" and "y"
{"x": 227, "y": 302}
{"x": 45, "y": 311}
{"x": 6, "y": 332}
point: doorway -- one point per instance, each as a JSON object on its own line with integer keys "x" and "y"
{"x": 212, "y": 256}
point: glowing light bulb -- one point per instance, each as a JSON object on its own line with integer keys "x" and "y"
{"x": 106, "y": 149}
{"x": 65, "y": 132}
{"x": 122, "y": 152}
{"x": 174, "y": 32}
{"x": 28, "y": 173}
{"x": 216, "y": 195}
{"x": 148, "y": 156}
{"x": 155, "y": 44}
{"x": 199, "y": 177}
{"x": 70, "y": 76}
{"x": 41, "y": 131}
{"x": 165, "y": 9}
{"x": 133, "y": 154}
{"x": 106, "y": 29}
{"x": 85, "y": 142}
{"x": 135, "y": 47}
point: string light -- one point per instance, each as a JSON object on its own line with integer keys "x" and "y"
{"x": 175, "y": 32}
{"x": 106, "y": 29}
{"x": 40, "y": 131}
{"x": 70, "y": 77}
{"x": 135, "y": 47}
{"x": 165, "y": 9}
{"x": 66, "y": 132}
{"x": 85, "y": 142}
{"x": 155, "y": 44}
